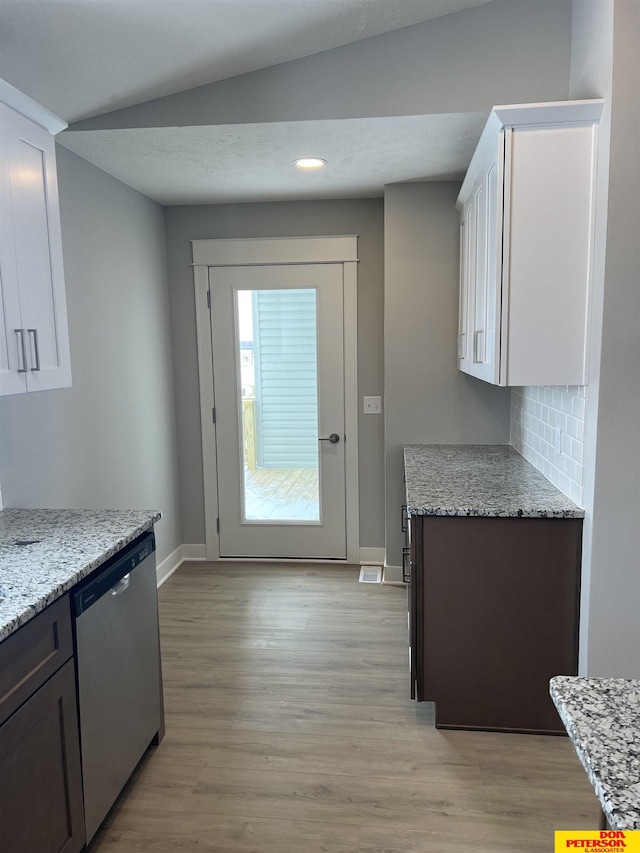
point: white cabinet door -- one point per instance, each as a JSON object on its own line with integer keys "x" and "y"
{"x": 35, "y": 333}
{"x": 494, "y": 179}
{"x": 479, "y": 301}
{"x": 486, "y": 338}
{"x": 13, "y": 379}
{"x": 464, "y": 320}
{"x": 527, "y": 205}
{"x": 37, "y": 251}
{"x": 480, "y": 230}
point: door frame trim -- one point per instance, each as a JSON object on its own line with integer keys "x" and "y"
{"x": 277, "y": 251}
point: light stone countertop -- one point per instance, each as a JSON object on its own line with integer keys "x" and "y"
{"x": 480, "y": 480}
{"x": 602, "y": 718}
{"x": 64, "y": 546}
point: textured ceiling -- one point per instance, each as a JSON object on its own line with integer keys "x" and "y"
{"x": 84, "y": 57}
{"x": 198, "y": 165}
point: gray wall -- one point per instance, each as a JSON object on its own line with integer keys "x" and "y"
{"x": 508, "y": 51}
{"x": 282, "y": 219}
{"x": 427, "y": 399}
{"x": 605, "y": 64}
{"x": 109, "y": 441}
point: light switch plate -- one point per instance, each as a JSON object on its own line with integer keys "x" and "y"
{"x": 373, "y": 405}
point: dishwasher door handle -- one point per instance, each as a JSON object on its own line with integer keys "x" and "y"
{"x": 121, "y": 586}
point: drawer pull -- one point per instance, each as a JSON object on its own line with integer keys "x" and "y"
{"x": 22, "y": 349}
{"x": 406, "y": 565}
{"x": 477, "y": 347}
{"x": 36, "y": 348}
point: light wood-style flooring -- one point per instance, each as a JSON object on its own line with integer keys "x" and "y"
{"x": 290, "y": 730}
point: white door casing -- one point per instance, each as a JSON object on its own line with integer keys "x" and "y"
{"x": 341, "y": 252}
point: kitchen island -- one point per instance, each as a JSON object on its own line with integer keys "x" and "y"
{"x": 494, "y": 579}
{"x": 58, "y": 568}
{"x": 602, "y": 718}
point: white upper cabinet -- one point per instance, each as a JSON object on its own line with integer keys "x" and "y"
{"x": 527, "y": 215}
{"x": 34, "y": 339}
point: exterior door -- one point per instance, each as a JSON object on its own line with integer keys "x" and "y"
{"x": 278, "y": 371}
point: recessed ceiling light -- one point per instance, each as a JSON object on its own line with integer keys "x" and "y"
{"x": 308, "y": 163}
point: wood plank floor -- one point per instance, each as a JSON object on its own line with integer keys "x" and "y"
{"x": 290, "y": 730}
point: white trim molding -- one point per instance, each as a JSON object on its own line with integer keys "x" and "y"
{"x": 274, "y": 250}
{"x": 207, "y": 403}
{"x": 26, "y": 106}
{"x": 182, "y": 554}
{"x": 265, "y": 251}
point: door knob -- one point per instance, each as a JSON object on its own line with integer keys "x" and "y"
{"x": 334, "y": 438}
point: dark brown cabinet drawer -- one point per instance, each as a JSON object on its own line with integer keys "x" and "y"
{"x": 40, "y": 783}
{"x": 32, "y": 654}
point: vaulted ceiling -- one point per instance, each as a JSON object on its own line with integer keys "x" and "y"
{"x": 81, "y": 58}
{"x": 126, "y": 71}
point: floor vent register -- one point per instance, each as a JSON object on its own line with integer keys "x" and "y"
{"x": 370, "y": 574}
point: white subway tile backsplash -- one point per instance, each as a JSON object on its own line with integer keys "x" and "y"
{"x": 536, "y": 413}
{"x": 571, "y": 469}
{"x": 577, "y": 451}
{"x": 579, "y": 407}
{"x": 564, "y": 483}
{"x": 575, "y": 493}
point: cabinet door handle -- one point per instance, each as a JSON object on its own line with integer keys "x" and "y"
{"x": 36, "y": 348}
{"x": 461, "y": 337}
{"x": 404, "y": 523}
{"x": 22, "y": 348}
{"x": 406, "y": 565}
{"x": 476, "y": 346}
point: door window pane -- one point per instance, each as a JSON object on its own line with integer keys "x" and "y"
{"x": 279, "y": 400}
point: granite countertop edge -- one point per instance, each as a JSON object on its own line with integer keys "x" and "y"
{"x": 79, "y": 565}
{"x": 483, "y": 481}
{"x": 620, "y": 802}
{"x": 490, "y": 512}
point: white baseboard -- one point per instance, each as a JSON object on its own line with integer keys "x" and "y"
{"x": 372, "y": 556}
{"x": 182, "y": 553}
{"x": 392, "y": 574}
{"x": 368, "y": 556}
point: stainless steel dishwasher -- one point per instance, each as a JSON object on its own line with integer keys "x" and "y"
{"x": 118, "y": 667}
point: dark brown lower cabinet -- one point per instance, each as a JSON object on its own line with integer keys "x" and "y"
{"x": 41, "y": 808}
{"x": 40, "y": 783}
{"x": 493, "y": 615}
